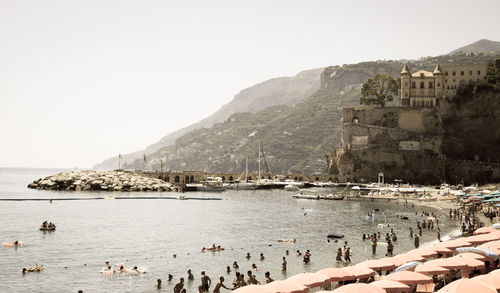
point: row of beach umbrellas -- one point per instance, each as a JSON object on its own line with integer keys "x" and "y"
{"x": 413, "y": 269}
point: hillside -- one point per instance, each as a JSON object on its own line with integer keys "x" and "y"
{"x": 276, "y": 91}
{"x": 295, "y": 138}
{"x": 483, "y": 46}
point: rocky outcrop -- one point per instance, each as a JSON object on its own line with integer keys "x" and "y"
{"x": 90, "y": 180}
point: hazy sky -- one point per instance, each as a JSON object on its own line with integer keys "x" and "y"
{"x": 81, "y": 81}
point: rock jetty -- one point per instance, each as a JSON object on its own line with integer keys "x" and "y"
{"x": 90, "y": 180}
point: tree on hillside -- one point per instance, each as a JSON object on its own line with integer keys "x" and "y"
{"x": 379, "y": 90}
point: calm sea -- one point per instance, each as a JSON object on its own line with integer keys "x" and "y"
{"x": 146, "y": 233}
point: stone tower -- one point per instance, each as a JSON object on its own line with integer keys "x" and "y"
{"x": 405, "y": 86}
{"x": 439, "y": 82}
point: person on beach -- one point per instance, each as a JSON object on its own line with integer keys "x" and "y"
{"x": 390, "y": 248}
{"x": 411, "y": 232}
{"x": 236, "y": 280}
{"x": 170, "y": 277}
{"x": 178, "y": 287}
{"x": 268, "y": 277}
{"x": 420, "y": 231}
{"x": 439, "y": 234}
{"x": 205, "y": 281}
{"x": 262, "y": 256}
{"x": 228, "y": 269}
{"x": 374, "y": 245}
{"x": 339, "y": 254}
{"x": 307, "y": 257}
{"x": 235, "y": 265}
{"x": 416, "y": 242}
{"x": 190, "y": 275}
{"x": 158, "y": 284}
{"x": 287, "y": 252}
{"x": 220, "y": 284}
{"x": 283, "y": 265}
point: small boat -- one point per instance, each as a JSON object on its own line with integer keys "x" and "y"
{"x": 211, "y": 184}
{"x": 304, "y": 195}
{"x": 53, "y": 228}
{"x": 335, "y": 235}
{"x": 332, "y": 197}
{"x": 291, "y": 187}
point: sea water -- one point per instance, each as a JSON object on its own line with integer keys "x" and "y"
{"x": 148, "y": 232}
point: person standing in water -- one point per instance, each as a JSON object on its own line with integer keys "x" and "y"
{"x": 438, "y": 234}
{"x": 268, "y": 277}
{"x": 374, "y": 245}
{"x": 178, "y": 287}
{"x": 283, "y": 265}
{"x": 190, "y": 275}
{"x": 417, "y": 241}
{"x": 219, "y": 284}
{"x": 339, "y": 254}
{"x": 205, "y": 281}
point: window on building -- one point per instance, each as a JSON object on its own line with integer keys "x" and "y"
{"x": 414, "y": 103}
{"x": 479, "y": 72}
{"x": 446, "y": 73}
{"x": 454, "y": 73}
{"x": 447, "y": 87}
{"x": 413, "y": 85}
{"x": 406, "y": 95}
{"x": 431, "y": 85}
{"x": 421, "y": 75}
{"x": 439, "y": 85}
{"x": 406, "y": 83}
{"x": 446, "y": 80}
{"x": 461, "y": 73}
{"x": 470, "y": 72}
{"x": 422, "y": 85}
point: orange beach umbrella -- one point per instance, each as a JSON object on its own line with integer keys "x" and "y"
{"x": 359, "y": 288}
{"x": 391, "y": 286}
{"x": 409, "y": 278}
{"x": 360, "y": 272}
{"x": 378, "y": 265}
{"x": 309, "y": 279}
{"x": 286, "y": 287}
{"x": 467, "y": 286}
{"x": 492, "y": 280}
{"x": 448, "y": 263}
{"x": 484, "y": 230}
{"x": 336, "y": 274}
{"x": 431, "y": 269}
{"x": 253, "y": 289}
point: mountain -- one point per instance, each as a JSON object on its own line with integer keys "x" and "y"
{"x": 482, "y": 46}
{"x": 296, "y": 137}
{"x": 276, "y": 91}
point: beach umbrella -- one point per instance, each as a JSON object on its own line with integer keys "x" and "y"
{"x": 394, "y": 261}
{"x": 360, "y": 272}
{"x": 448, "y": 263}
{"x": 493, "y": 246}
{"x": 407, "y": 266}
{"x": 391, "y": 286}
{"x": 286, "y": 287}
{"x": 426, "y": 251}
{"x": 358, "y": 288}
{"x": 484, "y": 230}
{"x": 476, "y": 256}
{"x": 309, "y": 279}
{"x": 478, "y": 251}
{"x": 453, "y": 244}
{"x": 492, "y": 236}
{"x": 492, "y": 280}
{"x": 378, "y": 265}
{"x": 431, "y": 269}
{"x": 472, "y": 263}
{"x": 477, "y": 239}
{"x": 408, "y": 257}
{"x": 409, "y": 278}
{"x": 337, "y": 274}
{"x": 467, "y": 286}
{"x": 253, "y": 289}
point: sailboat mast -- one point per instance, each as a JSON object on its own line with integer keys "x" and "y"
{"x": 259, "y": 163}
{"x": 246, "y": 170}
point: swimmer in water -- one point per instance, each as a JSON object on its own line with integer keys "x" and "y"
{"x": 268, "y": 277}
{"x": 158, "y": 284}
{"x": 339, "y": 254}
{"x": 220, "y": 284}
{"x": 228, "y": 269}
{"x": 190, "y": 275}
{"x": 235, "y": 265}
{"x": 178, "y": 287}
{"x": 262, "y": 256}
{"x": 205, "y": 281}
{"x": 251, "y": 279}
{"x": 299, "y": 253}
{"x": 170, "y": 277}
{"x": 248, "y": 255}
{"x": 283, "y": 265}
{"x": 287, "y": 252}
{"x": 254, "y": 267}
{"x": 236, "y": 280}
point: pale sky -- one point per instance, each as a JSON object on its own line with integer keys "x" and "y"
{"x": 81, "y": 81}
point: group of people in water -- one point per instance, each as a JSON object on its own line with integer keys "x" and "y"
{"x": 48, "y": 226}
{"x": 212, "y": 249}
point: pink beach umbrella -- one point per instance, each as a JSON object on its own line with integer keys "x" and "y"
{"x": 431, "y": 269}
{"x": 425, "y": 252}
{"x": 471, "y": 262}
{"x": 286, "y": 287}
{"x": 408, "y": 257}
{"x": 336, "y": 274}
{"x": 448, "y": 263}
{"x": 492, "y": 245}
{"x": 360, "y": 272}
{"x": 253, "y": 289}
{"x": 467, "y": 286}
{"x": 409, "y": 278}
{"x": 476, "y": 256}
{"x": 477, "y": 239}
{"x": 359, "y": 288}
{"x": 492, "y": 280}
{"x": 453, "y": 244}
{"x": 310, "y": 280}
{"x": 378, "y": 265}
{"x": 391, "y": 286}
{"x": 484, "y": 230}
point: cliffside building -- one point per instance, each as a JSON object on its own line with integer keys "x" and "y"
{"x": 426, "y": 89}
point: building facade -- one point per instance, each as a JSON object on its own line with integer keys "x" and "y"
{"x": 426, "y": 89}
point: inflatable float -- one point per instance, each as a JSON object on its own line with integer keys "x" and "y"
{"x": 7, "y": 244}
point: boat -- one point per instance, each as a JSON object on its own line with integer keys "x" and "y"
{"x": 211, "y": 184}
{"x": 335, "y": 235}
{"x": 332, "y": 197}
{"x": 291, "y": 187}
{"x": 304, "y": 195}
{"x": 241, "y": 186}
{"x": 47, "y": 228}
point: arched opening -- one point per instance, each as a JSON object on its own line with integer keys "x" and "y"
{"x": 300, "y": 178}
{"x": 269, "y": 177}
{"x": 167, "y": 178}
{"x": 176, "y": 179}
{"x": 186, "y": 180}
{"x": 223, "y": 179}
{"x": 295, "y": 178}
{"x": 336, "y": 180}
{"x": 316, "y": 179}
{"x": 330, "y": 179}
{"x": 249, "y": 177}
{"x": 231, "y": 178}
{"x": 191, "y": 179}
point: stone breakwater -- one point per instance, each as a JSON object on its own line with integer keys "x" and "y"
{"x": 90, "y": 180}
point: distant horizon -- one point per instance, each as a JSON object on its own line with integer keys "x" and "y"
{"x": 83, "y": 82}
